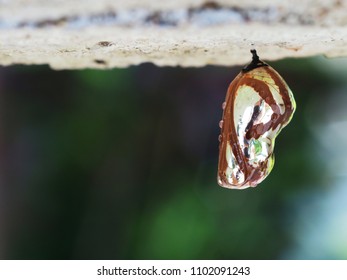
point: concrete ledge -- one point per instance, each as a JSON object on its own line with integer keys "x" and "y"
{"x": 106, "y": 34}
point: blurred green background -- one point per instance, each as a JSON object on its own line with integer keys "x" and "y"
{"x": 121, "y": 164}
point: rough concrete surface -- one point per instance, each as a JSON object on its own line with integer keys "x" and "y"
{"x": 105, "y": 34}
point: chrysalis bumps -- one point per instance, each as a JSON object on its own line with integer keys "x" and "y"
{"x": 258, "y": 105}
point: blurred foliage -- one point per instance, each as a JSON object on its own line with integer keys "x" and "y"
{"x": 121, "y": 164}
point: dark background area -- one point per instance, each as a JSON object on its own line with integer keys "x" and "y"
{"x": 121, "y": 164}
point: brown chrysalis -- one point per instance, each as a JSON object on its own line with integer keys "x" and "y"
{"x": 258, "y": 105}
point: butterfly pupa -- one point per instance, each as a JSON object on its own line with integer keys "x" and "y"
{"x": 257, "y": 106}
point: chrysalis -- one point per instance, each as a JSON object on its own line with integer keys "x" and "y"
{"x": 258, "y": 105}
